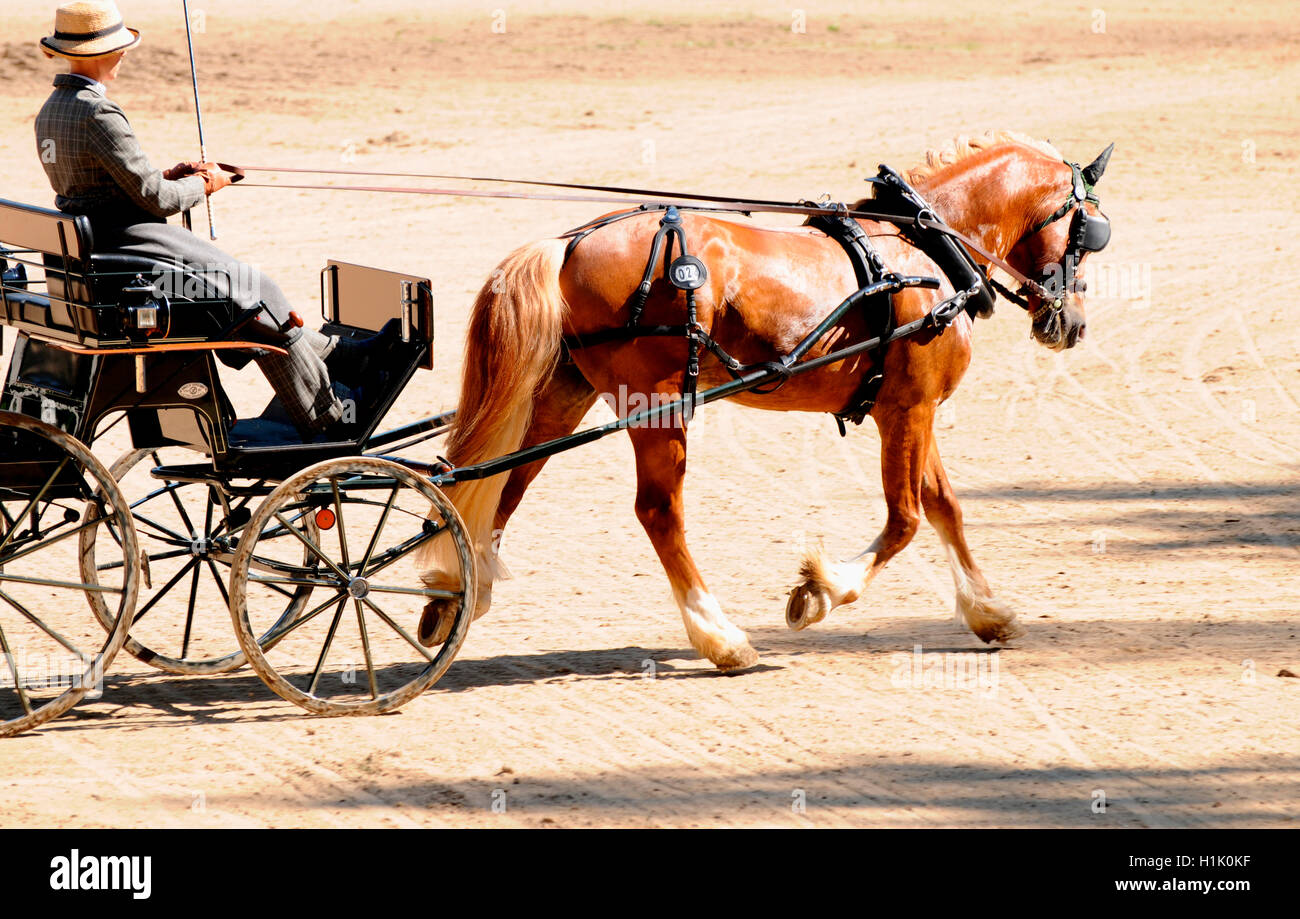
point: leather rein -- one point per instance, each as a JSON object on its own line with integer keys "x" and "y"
{"x": 926, "y": 219}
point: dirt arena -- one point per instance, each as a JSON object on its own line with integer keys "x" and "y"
{"x": 1137, "y": 498}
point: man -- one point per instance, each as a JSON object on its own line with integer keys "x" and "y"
{"x": 97, "y": 169}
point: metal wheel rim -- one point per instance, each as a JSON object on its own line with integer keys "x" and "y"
{"x": 287, "y": 492}
{"x": 117, "y": 634}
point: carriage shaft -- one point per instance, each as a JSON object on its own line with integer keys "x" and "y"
{"x": 938, "y": 316}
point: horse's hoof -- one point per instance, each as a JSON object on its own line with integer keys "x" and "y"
{"x": 1001, "y": 632}
{"x": 990, "y": 619}
{"x": 807, "y": 605}
{"x": 738, "y": 658}
{"x": 436, "y": 622}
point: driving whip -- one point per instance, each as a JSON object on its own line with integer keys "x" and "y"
{"x": 198, "y": 112}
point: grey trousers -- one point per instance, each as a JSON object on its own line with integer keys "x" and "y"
{"x": 299, "y": 378}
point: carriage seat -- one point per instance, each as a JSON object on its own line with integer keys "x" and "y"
{"x": 87, "y": 297}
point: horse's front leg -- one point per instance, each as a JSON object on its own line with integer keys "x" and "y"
{"x": 905, "y": 436}
{"x": 987, "y": 617}
{"x": 660, "y": 470}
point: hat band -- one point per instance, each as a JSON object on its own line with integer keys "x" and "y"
{"x": 88, "y": 36}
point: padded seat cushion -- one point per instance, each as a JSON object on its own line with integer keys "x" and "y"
{"x": 263, "y": 432}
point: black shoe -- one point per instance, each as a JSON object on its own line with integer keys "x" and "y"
{"x": 359, "y": 361}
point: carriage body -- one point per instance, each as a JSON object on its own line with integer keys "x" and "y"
{"x": 106, "y": 338}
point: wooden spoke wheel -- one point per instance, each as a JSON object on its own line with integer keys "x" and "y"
{"x": 354, "y": 650}
{"x": 53, "y": 652}
{"x": 188, "y": 533}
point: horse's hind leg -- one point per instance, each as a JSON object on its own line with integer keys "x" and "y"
{"x": 988, "y": 618}
{"x": 660, "y": 469}
{"x": 558, "y": 409}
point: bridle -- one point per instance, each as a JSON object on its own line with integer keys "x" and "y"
{"x": 1088, "y": 233}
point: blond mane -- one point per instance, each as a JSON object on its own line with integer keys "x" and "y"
{"x": 956, "y": 150}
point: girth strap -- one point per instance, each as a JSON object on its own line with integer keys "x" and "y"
{"x": 868, "y": 267}
{"x": 686, "y": 273}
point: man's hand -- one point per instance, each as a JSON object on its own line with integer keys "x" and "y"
{"x": 181, "y": 170}
{"x": 214, "y": 177}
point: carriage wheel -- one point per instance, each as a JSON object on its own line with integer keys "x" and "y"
{"x": 355, "y": 650}
{"x": 52, "y": 651}
{"x": 188, "y": 533}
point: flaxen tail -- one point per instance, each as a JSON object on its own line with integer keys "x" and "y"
{"x": 514, "y": 339}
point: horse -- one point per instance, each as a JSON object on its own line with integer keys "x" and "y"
{"x": 766, "y": 288}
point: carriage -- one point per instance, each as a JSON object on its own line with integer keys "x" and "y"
{"x": 208, "y": 518}
{"x": 312, "y": 549}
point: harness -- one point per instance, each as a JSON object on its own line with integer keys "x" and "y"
{"x": 869, "y": 268}
{"x": 895, "y": 201}
{"x": 924, "y": 229}
{"x": 686, "y": 272}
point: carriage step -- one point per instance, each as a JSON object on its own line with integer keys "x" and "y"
{"x": 196, "y": 473}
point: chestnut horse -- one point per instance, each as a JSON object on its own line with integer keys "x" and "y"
{"x": 766, "y": 289}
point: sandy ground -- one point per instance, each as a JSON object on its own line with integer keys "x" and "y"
{"x": 1136, "y": 498}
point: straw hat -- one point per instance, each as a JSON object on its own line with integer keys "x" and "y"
{"x": 88, "y": 28}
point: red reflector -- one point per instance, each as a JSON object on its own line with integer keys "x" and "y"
{"x": 325, "y": 518}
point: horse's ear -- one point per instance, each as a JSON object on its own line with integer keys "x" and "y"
{"x": 1092, "y": 172}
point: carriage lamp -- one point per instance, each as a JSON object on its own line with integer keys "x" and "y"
{"x": 148, "y": 319}
{"x": 144, "y": 312}
{"x": 144, "y": 318}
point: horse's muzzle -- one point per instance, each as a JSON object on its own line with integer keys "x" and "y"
{"x": 1059, "y": 329}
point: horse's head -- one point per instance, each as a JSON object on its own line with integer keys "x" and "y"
{"x": 1053, "y": 249}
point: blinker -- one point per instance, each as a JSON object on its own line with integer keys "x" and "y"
{"x": 1089, "y": 233}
